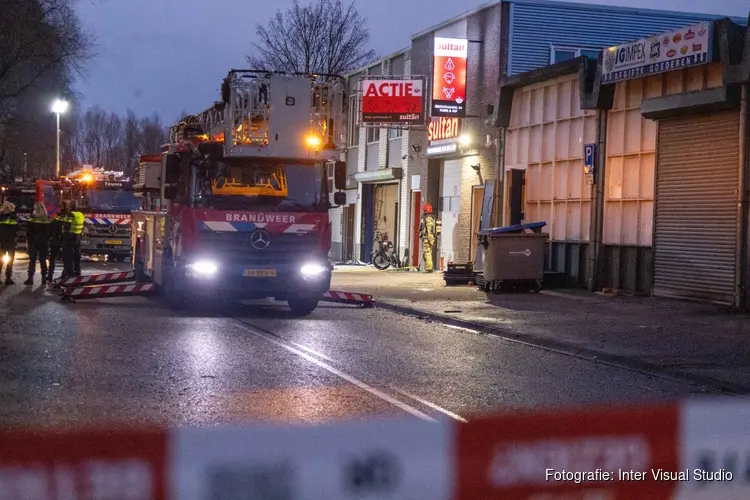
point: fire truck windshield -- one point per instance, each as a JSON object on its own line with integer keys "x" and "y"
{"x": 112, "y": 200}
{"x": 300, "y": 189}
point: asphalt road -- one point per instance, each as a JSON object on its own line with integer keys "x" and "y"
{"x": 133, "y": 360}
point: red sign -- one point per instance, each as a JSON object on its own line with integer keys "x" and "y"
{"x": 443, "y": 128}
{"x": 449, "y": 77}
{"x": 83, "y": 465}
{"x": 393, "y": 101}
{"x": 593, "y": 454}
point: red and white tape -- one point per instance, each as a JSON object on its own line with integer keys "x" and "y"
{"x": 348, "y": 297}
{"x": 689, "y": 451}
{"x": 110, "y": 291}
{"x": 98, "y": 278}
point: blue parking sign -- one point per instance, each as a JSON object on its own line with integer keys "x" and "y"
{"x": 589, "y": 158}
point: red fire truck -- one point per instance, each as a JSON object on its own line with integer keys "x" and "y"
{"x": 238, "y": 206}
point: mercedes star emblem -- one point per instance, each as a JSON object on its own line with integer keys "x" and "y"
{"x": 112, "y": 228}
{"x": 260, "y": 239}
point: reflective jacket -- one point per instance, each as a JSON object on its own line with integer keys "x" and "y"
{"x": 38, "y": 231}
{"x": 8, "y": 226}
{"x": 77, "y": 221}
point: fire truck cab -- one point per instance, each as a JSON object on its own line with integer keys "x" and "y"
{"x": 238, "y": 206}
{"x": 107, "y": 200}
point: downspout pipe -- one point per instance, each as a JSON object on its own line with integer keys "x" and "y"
{"x": 743, "y": 280}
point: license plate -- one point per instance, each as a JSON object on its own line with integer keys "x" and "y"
{"x": 260, "y": 273}
{"x": 113, "y": 242}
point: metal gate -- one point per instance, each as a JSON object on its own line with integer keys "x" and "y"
{"x": 697, "y": 179}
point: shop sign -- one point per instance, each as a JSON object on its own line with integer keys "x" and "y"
{"x": 442, "y": 149}
{"x": 449, "y": 77}
{"x": 443, "y": 128}
{"x": 390, "y": 101}
{"x": 682, "y": 48}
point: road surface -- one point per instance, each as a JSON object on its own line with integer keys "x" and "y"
{"x": 133, "y": 360}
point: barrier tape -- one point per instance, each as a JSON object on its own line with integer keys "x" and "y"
{"x": 92, "y": 292}
{"x": 348, "y": 298}
{"x": 99, "y": 278}
{"x": 688, "y": 451}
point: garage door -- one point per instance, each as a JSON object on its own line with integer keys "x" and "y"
{"x": 695, "y": 236}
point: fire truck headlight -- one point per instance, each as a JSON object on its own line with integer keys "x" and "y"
{"x": 312, "y": 270}
{"x": 204, "y": 268}
{"x": 6, "y": 258}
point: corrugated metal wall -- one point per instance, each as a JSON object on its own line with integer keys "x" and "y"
{"x": 630, "y": 174}
{"x": 535, "y": 26}
{"x": 546, "y": 136}
{"x": 695, "y": 247}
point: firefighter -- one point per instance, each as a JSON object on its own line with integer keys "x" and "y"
{"x": 58, "y": 228}
{"x": 77, "y": 230}
{"x": 38, "y": 237}
{"x": 8, "y": 231}
{"x": 427, "y": 233}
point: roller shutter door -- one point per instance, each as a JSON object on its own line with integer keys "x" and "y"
{"x": 695, "y": 236}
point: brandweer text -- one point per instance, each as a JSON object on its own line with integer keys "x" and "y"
{"x": 256, "y": 217}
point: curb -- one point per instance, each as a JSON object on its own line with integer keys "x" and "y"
{"x": 570, "y": 349}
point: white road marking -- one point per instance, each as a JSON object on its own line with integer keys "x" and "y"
{"x": 354, "y": 381}
{"x": 314, "y": 352}
{"x": 429, "y": 404}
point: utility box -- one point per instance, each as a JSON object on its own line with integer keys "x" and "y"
{"x": 512, "y": 257}
{"x": 148, "y": 176}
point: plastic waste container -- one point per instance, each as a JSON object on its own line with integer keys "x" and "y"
{"x": 513, "y": 256}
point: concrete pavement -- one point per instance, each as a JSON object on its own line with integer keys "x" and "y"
{"x": 134, "y": 361}
{"x": 702, "y": 343}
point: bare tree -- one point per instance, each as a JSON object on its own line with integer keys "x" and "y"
{"x": 37, "y": 37}
{"x": 106, "y": 140}
{"x": 323, "y": 37}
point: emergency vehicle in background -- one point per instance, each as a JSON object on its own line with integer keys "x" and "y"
{"x": 238, "y": 205}
{"x": 22, "y": 193}
{"x": 106, "y": 199}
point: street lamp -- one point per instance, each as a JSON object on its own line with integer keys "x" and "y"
{"x": 58, "y": 107}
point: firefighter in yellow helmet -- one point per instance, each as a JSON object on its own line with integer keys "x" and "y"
{"x": 428, "y": 235}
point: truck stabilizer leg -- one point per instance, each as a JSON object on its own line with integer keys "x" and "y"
{"x": 359, "y": 299}
{"x": 106, "y": 291}
{"x": 96, "y": 279}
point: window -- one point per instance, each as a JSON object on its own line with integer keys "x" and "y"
{"x": 591, "y": 53}
{"x": 561, "y": 54}
{"x": 373, "y": 134}
{"x": 394, "y": 133}
{"x": 353, "y": 121}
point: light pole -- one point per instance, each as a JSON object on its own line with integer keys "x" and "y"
{"x": 58, "y": 107}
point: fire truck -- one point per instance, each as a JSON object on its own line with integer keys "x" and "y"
{"x": 237, "y": 209}
{"x": 106, "y": 199}
{"x": 22, "y": 193}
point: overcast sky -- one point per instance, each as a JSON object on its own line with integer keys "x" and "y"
{"x": 171, "y": 55}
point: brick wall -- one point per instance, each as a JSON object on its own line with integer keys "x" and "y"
{"x": 484, "y": 63}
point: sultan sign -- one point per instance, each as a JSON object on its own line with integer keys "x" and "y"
{"x": 449, "y": 77}
{"x": 393, "y": 101}
{"x": 682, "y": 48}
